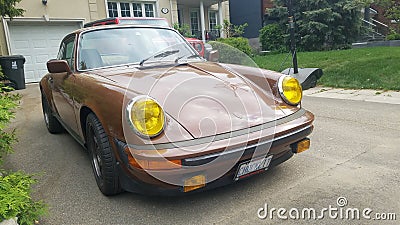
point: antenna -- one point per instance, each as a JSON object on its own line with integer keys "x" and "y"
{"x": 308, "y": 77}
{"x": 292, "y": 27}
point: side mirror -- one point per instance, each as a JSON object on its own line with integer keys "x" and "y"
{"x": 58, "y": 66}
{"x": 213, "y": 56}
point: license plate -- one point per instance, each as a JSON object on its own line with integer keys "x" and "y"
{"x": 251, "y": 167}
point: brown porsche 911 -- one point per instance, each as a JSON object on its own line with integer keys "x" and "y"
{"x": 157, "y": 118}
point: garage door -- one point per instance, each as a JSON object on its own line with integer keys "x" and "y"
{"x": 37, "y": 42}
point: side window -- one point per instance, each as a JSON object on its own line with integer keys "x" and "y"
{"x": 67, "y": 51}
{"x": 61, "y": 51}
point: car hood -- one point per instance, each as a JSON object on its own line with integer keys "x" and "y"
{"x": 205, "y": 98}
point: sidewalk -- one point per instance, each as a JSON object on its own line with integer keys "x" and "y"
{"x": 388, "y": 97}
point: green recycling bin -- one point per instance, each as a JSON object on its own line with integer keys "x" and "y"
{"x": 13, "y": 69}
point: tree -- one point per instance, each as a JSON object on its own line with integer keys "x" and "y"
{"x": 8, "y": 8}
{"x": 232, "y": 30}
{"x": 322, "y": 24}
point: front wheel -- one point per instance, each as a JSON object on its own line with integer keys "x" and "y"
{"x": 102, "y": 157}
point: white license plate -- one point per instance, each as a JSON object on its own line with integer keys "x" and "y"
{"x": 247, "y": 168}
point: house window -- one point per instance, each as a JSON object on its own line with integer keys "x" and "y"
{"x": 149, "y": 10}
{"x": 194, "y": 22}
{"x": 125, "y": 9}
{"x": 213, "y": 20}
{"x": 128, "y": 9}
{"x": 112, "y": 9}
{"x": 137, "y": 10}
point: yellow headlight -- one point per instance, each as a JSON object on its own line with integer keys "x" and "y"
{"x": 290, "y": 90}
{"x": 146, "y": 116}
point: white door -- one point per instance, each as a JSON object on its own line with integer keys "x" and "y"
{"x": 37, "y": 42}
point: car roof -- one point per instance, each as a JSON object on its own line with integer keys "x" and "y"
{"x": 116, "y": 20}
{"x": 116, "y": 26}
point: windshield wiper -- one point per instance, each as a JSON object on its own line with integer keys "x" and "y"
{"x": 160, "y": 55}
{"x": 187, "y": 57}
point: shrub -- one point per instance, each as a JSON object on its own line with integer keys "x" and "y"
{"x": 3, "y": 86}
{"x": 232, "y": 30}
{"x": 273, "y": 38}
{"x": 239, "y": 42}
{"x": 15, "y": 188}
{"x": 183, "y": 29}
{"x": 232, "y": 50}
{"x": 7, "y": 103}
{"x": 15, "y": 200}
{"x": 393, "y": 36}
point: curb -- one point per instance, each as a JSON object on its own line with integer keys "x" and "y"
{"x": 378, "y": 96}
{"x": 9, "y": 222}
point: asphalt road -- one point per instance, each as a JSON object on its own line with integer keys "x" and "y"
{"x": 355, "y": 154}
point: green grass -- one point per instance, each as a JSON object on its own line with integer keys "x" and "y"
{"x": 365, "y": 68}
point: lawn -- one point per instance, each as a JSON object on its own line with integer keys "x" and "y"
{"x": 365, "y": 68}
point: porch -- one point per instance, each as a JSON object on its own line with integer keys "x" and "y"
{"x": 203, "y": 17}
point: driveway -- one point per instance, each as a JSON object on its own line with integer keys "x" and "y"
{"x": 355, "y": 154}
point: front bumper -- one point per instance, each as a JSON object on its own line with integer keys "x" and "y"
{"x": 139, "y": 181}
{"x": 136, "y": 186}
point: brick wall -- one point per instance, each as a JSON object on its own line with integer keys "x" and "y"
{"x": 267, "y": 4}
{"x": 381, "y": 17}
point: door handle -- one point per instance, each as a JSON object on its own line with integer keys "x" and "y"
{"x": 51, "y": 80}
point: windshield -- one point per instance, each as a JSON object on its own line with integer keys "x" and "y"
{"x": 130, "y": 45}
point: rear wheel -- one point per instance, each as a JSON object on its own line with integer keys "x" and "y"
{"x": 52, "y": 124}
{"x": 102, "y": 157}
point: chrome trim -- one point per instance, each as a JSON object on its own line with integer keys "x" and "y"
{"x": 205, "y": 140}
{"x": 129, "y": 114}
{"x": 213, "y": 155}
{"x": 281, "y": 92}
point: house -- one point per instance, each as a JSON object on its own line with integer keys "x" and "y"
{"x": 38, "y": 33}
{"x": 252, "y": 14}
{"x": 380, "y": 22}
{"x": 255, "y": 11}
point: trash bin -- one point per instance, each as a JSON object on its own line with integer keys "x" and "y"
{"x": 13, "y": 69}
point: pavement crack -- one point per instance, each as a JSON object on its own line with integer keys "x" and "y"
{"x": 348, "y": 160}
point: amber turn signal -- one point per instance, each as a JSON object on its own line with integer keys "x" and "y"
{"x": 301, "y": 146}
{"x": 194, "y": 183}
{"x": 161, "y": 164}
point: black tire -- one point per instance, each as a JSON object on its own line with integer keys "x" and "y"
{"x": 52, "y": 124}
{"x": 102, "y": 157}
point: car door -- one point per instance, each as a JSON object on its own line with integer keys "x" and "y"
{"x": 62, "y": 85}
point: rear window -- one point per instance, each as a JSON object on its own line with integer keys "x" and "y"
{"x": 162, "y": 23}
